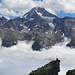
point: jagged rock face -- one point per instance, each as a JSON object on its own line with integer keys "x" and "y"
{"x": 66, "y": 25}
{"x": 15, "y": 24}
{"x": 3, "y": 20}
{"x": 71, "y": 72}
{"x": 44, "y": 28}
{"x": 9, "y": 37}
{"x": 51, "y": 68}
{"x": 10, "y": 31}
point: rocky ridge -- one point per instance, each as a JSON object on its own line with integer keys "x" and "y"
{"x": 44, "y": 28}
{"x": 51, "y": 68}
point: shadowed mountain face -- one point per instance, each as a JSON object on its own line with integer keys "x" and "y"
{"x": 44, "y": 28}
{"x": 51, "y": 68}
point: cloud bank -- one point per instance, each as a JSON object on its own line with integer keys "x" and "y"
{"x": 20, "y": 7}
{"x": 21, "y": 59}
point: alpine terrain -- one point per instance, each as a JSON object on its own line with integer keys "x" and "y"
{"x": 38, "y": 25}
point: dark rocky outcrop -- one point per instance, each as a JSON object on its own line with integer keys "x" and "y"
{"x": 71, "y": 72}
{"x": 51, "y": 68}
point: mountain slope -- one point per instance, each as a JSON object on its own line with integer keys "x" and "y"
{"x": 44, "y": 28}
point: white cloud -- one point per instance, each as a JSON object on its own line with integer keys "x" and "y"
{"x": 21, "y": 59}
{"x": 6, "y": 12}
{"x": 22, "y": 6}
{"x": 64, "y": 5}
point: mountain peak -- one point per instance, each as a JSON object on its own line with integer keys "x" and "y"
{"x": 39, "y": 11}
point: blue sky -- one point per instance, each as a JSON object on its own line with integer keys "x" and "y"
{"x": 17, "y": 8}
{"x": 62, "y": 14}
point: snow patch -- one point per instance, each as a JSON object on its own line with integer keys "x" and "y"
{"x": 31, "y": 19}
{"x": 21, "y": 25}
{"x": 25, "y": 15}
{"x": 29, "y": 29}
{"x": 73, "y": 28}
{"x": 62, "y": 35}
{"x": 25, "y": 29}
{"x": 52, "y": 25}
{"x": 56, "y": 32}
{"x": 12, "y": 29}
{"x": 46, "y": 32}
{"x": 36, "y": 25}
{"x": 48, "y": 19}
{"x": 39, "y": 13}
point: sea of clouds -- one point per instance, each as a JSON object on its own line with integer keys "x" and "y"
{"x": 21, "y": 59}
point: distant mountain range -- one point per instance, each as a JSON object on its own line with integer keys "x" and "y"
{"x": 44, "y": 28}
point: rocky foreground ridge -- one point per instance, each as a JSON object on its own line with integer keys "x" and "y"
{"x": 44, "y": 28}
{"x": 52, "y": 68}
